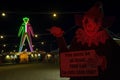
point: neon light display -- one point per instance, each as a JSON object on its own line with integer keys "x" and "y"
{"x": 90, "y": 56}
{"x": 25, "y": 32}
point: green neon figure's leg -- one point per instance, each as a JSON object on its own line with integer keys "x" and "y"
{"x": 22, "y": 43}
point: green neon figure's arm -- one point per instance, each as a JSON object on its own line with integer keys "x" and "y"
{"x": 21, "y": 30}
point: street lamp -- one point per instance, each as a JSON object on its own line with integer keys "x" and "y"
{"x": 42, "y": 43}
{"x": 1, "y": 37}
{"x": 3, "y": 14}
{"x": 54, "y": 14}
{"x": 4, "y": 45}
{"x": 36, "y": 35}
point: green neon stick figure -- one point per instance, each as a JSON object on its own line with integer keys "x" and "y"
{"x": 25, "y": 32}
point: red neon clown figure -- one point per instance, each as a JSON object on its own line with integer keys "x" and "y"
{"x": 26, "y": 32}
{"x": 91, "y": 36}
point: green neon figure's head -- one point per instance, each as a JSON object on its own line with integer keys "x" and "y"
{"x": 26, "y": 19}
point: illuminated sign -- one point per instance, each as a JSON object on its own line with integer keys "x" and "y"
{"x": 78, "y": 63}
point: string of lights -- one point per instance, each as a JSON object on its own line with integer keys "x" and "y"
{"x": 38, "y": 12}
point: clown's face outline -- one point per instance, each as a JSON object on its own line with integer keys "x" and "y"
{"x": 91, "y": 25}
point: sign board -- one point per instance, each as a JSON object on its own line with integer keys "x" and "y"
{"x": 78, "y": 63}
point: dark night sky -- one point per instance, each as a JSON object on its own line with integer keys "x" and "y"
{"x": 39, "y": 13}
{"x": 41, "y": 19}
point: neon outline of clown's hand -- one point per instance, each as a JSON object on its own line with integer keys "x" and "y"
{"x": 56, "y": 31}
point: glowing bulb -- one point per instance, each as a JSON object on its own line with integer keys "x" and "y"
{"x": 36, "y": 35}
{"x": 1, "y": 37}
{"x": 54, "y": 15}
{"x": 42, "y": 43}
{"x": 3, "y": 14}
